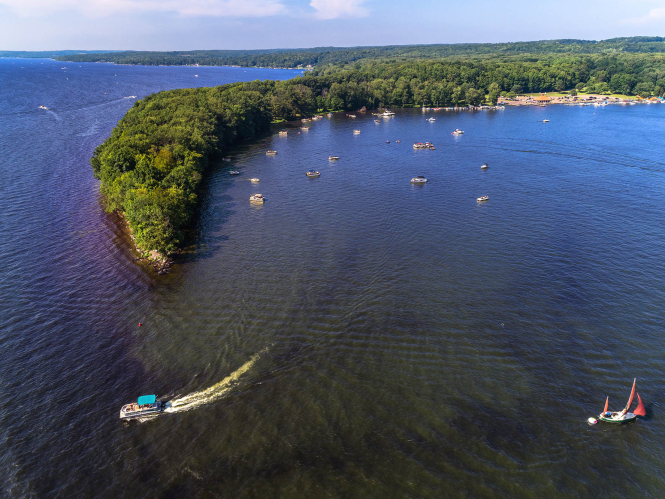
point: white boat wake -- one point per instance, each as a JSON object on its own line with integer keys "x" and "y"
{"x": 215, "y": 392}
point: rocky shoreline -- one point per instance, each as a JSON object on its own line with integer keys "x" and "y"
{"x": 161, "y": 264}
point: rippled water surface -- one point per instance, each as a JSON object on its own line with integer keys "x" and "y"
{"x": 355, "y": 336}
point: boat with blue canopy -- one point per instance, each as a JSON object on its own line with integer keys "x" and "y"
{"x": 145, "y": 406}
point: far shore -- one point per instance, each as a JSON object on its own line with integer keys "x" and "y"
{"x": 559, "y": 98}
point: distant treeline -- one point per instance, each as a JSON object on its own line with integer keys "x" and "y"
{"x": 151, "y": 166}
{"x": 49, "y": 54}
{"x": 344, "y": 56}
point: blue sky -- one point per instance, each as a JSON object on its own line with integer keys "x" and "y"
{"x": 238, "y": 24}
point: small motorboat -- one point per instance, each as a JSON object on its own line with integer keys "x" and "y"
{"x": 145, "y": 406}
{"x": 305, "y": 128}
{"x": 333, "y": 158}
{"x": 43, "y": 107}
{"x": 254, "y": 180}
{"x": 387, "y": 114}
{"x": 624, "y": 416}
{"x": 484, "y": 166}
{"x": 271, "y": 153}
{"x": 283, "y": 133}
{"x": 313, "y": 173}
{"x": 257, "y": 198}
{"x": 546, "y": 121}
{"x": 431, "y": 119}
{"x": 482, "y": 198}
{"x": 351, "y": 115}
{"x": 377, "y": 121}
{"x": 457, "y": 131}
{"x": 234, "y": 172}
{"x": 356, "y": 132}
{"x": 419, "y": 180}
{"x": 387, "y": 142}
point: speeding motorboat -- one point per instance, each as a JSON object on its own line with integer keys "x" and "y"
{"x": 234, "y": 172}
{"x": 484, "y": 166}
{"x": 254, "y": 180}
{"x": 145, "y": 406}
{"x": 333, "y": 158}
{"x": 457, "y": 131}
{"x": 418, "y": 180}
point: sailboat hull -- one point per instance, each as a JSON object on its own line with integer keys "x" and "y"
{"x": 627, "y": 418}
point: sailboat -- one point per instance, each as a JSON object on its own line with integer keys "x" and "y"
{"x": 624, "y": 416}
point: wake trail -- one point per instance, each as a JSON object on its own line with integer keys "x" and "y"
{"x": 215, "y": 392}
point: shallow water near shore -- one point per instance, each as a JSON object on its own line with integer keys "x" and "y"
{"x": 354, "y": 336}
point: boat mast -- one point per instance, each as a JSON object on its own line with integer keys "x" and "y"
{"x": 632, "y": 395}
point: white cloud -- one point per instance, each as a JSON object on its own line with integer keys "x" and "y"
{"x": 100, "y": 8}
{"x": 656, "y": 14}
{"x": 332, "y": 9}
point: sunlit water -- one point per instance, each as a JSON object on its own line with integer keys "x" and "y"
{"x": 355, "y": 336}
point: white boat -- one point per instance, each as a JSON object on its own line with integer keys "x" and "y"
{"x": 431, "y": 119}
{"x": 305, "y": 128}
{"x": 257, "y": 198}
{"x": 484, "y": 166}
{"x": 377, "y": 121}
{"x": 254, "y": 180}
{"x": 43, "y": 107}
{"x": 333, "y": 158}
{"x": 271, "y": 152}
{"x": 351, "y": 115}
{"x": 234, "y": 172}
{"x": 313, "y": 173}
{"x": 145, "y": 406}
{"x": 419, "y": 180}
{"x": 546, "y": 121}
{"x": 283, "y": 133}
{"x": 483, "y": 198}
{"x": 356, "y": 132}
{"x": 387, "y": 114}
{"x": 421, "y": 145}
{"x": 458, "y": 132}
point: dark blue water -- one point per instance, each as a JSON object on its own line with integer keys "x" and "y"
{"x": 355, "y": 336}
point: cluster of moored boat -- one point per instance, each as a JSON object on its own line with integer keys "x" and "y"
{"x": 465, "y": 108}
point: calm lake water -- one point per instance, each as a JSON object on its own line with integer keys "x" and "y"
{"x": 355, "y": 336}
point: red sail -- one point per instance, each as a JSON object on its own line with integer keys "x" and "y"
{"x": 640, "y": 410}
{"x": 607, "y": 403}
{"x": 632, "y": 396}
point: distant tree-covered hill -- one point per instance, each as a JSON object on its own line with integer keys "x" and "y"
{"x": 347, "y": 55}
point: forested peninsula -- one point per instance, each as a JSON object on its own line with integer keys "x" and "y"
{"x": 153, "y": 163}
